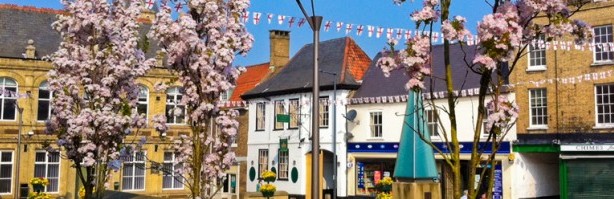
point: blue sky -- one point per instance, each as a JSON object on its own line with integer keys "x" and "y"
{"x": 358, "y": 12}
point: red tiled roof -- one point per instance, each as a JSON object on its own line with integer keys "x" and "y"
{"x": 30, "y": 9}
{"x": 249, "y": 79}
{"x": 355, "y": 61}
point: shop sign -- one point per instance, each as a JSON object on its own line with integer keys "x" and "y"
{"x": 361, "y": 175}
{"x": 588, "y": 147}
{"x": 498, "y": 186}
{"x": 283, "y": 145}
{"x": 466, "y": 147}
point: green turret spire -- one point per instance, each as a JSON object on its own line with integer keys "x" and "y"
{"x": 415, "y": 159}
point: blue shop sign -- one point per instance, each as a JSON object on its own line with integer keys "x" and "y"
{"x": 393, "y": 147}
{"x": 466, "y": 147}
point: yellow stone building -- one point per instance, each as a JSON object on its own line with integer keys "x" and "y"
{"x": 25, "y": 37}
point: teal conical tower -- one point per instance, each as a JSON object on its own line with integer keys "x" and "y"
{"x": 415, "y": 158}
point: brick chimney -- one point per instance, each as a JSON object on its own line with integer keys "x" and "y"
{"x": 280, "y": 49}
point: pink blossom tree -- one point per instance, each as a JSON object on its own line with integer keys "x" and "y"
{"x": 503, "y": 37}
{"x": 200, "y": 45}
{"x": 93, "y": 82}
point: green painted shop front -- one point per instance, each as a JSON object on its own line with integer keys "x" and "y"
{"x": 585, "y": 170}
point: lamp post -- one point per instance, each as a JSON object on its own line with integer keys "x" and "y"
{"x": 18, "y": 159}
{"x": 315, "y": 22}
{"x": 334, "y": 131}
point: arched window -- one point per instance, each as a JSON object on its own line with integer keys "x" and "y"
{"x": 44, "y": 102}
{"x": 173, "y": 99}
{"x": 142, "y": 105}
{"x": 8, "y": 98}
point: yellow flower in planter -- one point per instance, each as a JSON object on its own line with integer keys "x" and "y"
{"x": 386, "y": 181}
{"x": 39, "y": 196}
{"x": 39, "y": 181}
{"x": 82, "y": 192}
{"x": 268, "y": 176}
{"x": 384, "y": 196}
{"x": 268, "y": 190}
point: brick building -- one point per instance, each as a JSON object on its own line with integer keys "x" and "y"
{"x": 566, "y": 124}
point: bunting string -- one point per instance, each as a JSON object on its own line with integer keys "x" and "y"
{"x": 587, "y": 77}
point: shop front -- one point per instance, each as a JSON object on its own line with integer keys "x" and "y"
{"x": 370, "y": 162}
{"x": 587, "y": 170}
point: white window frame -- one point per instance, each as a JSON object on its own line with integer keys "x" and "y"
{"x": 543, "y": 107}
{"x": 374, "y": 124}
{"x": 432, "y": 124}
{"x": 610, "y": 102}
{"x": 263, "y": 161}
{"x": 260, "y": 117}
{"x": 283, "y": 161}
{"x": 44, "y": 86}
{"x": 46, "y": 164}
{"x": 12, "y": 164}
{"x": 324, "y": 118}
{"x": 225, "y": 96}
{"x": 175, "y": 93}
{"x": 132, "y": 160}
{"x": 536, "y": 48}
{"x": 609, "y": 37}
{"x": 3, "y": 97}
{"x": 278, "y": 108}
{"x": 174, "y": 175}
{"x": 294, "y": 110}
{"x": 143, "y": 100}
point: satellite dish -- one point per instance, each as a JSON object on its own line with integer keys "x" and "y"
{"x": 351, "y": 115}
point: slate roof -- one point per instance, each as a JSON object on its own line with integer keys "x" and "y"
{"x": 18, "y": 24}
{"x": 249, "y": 79}
{"x": 341, "y": 56}
{"x": 376, "y": 84}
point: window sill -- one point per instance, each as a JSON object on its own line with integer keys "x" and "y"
{"x": 603, "y": 127}
{"x": 537, "y": 128}
{"x": 536, "y": 69}
{"x": 602, "y": 63}
{"x": 375, "y": 139}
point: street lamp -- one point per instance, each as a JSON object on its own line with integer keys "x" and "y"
{"x": 315, "y": 22}
{"x": 18, "y": 161}
{"x": 334, "y": 131}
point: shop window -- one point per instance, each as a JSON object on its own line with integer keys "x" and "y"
{"x": 260, "y": 116}
{"x": 230, "y": 184}
{"x": 44, "y": 102}
{"x": 282, "y": 174}
{"x": 47, "y": 165}
{"x": 604, "y": 97}
{"x": 294, "y": 114}
{"x": 171, "y": 179}
{"x": 370, "y": 171}
{"x": 279, "y": 109}
{"x": 133, "y": 175}
{"x": 175, "y": 112}
{"x": 602, "y": 37}
{"x": 538, "y": 103}
{"x": 263, "y": 161}
{"x": 8, "y": 98}
{"x": 376, "y": 124}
